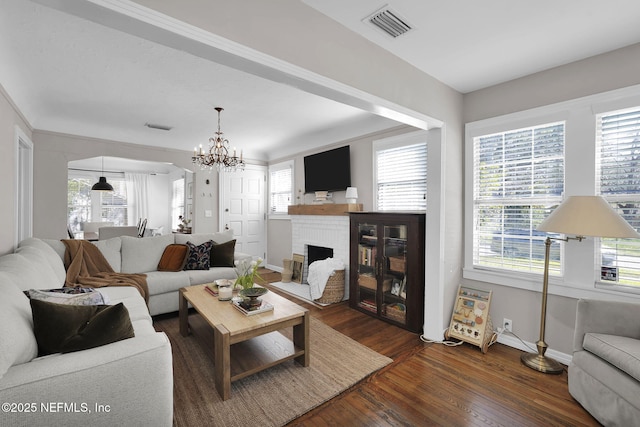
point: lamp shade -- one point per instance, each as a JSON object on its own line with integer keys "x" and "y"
{"x": 102, "y": 185}
{"x": 352, "y": 193}
{"x": 587, "y": 216}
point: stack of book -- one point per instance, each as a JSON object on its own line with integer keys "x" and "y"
{"x": 369, "y": 305}
{"x": 263, "y": 307}
{"x": 212, "y": 288}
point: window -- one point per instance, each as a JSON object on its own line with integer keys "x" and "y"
{"x": 400, "y": 173}
{"x": 177, "y": 202}
{"x": 518, "y": 179}
{"x": 84, "y": 205}
{"x": 113, "y": 204}
{"x": 280, "y": 187}
{"x": 78, "y": 202}
{"x": 618, "y": 176}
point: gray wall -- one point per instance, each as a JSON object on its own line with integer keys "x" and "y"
{"x": 613, "y": 70}
{"x": 279, "y": 230}
{"x": 52, "y": 153}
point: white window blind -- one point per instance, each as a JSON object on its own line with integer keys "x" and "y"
{"x": 280, "y": 187}
{"x": 113, "y": 204}
{"x": 84, "y": 205}
{"x": 401, "y": 178}
{"x": 618, "y": 173}
{"x": 518, "y": 180}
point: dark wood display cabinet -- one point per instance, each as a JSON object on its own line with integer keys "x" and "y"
{"x": 387, "y": 259}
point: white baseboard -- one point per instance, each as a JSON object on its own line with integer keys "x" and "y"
{"x": 274, "y": 268}
{"x": 514, "y": 342}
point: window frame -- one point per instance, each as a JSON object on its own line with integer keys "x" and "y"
{"x": 508, "y": 198}
{"x": 403, "y": 140}
{"x": 288, "y": 164}
{"x": 605, "y": 138}
{"x": 579, "y": 116}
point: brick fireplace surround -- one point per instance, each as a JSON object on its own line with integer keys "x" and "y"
{"x": 329, "y": 231}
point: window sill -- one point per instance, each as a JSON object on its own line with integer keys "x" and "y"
{"x": 557, "y": 285}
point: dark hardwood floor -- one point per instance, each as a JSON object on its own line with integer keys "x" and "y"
{"x": 432, "y": 384}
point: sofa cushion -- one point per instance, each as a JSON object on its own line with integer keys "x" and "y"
{"x": 70, "y": 296}
{"x": 57, "y": 246}
{"x": 173, "y": 258}
{"x": 199, "y": 256}
{"x": 198, "y": 277}
{"x": 110, "y": 249}
{"x": 17, "y": 342}
{"x": 140, "y": 255}
{"x": 200, "y": 238}
{"x": 621, "y": 352}
{"x": 27, "y": 269}
{"x": 51, "y": 256}
{"x": 161, "y": 282}
{"x": 222, "y": 254}
{"x": 63, "y": 328}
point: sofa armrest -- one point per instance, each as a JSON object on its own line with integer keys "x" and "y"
{"x": 132, "y": 379}
{"x": 605, "y": 317}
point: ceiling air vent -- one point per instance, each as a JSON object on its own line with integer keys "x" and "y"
{"x": 390, "y": 22}
{"x": 159, "y": 127}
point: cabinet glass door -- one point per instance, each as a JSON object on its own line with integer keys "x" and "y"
{"x": 367, "y": 266}
{"x": 394, "y": 274}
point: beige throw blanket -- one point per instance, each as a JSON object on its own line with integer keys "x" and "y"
{"x": 87, "y": 267}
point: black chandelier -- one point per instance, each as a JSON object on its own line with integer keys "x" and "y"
{"x": 218, "y": 154}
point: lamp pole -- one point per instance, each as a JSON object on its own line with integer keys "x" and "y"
{"x": 539, "y": 361}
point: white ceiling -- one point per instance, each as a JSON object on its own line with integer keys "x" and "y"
{"x": 471, "y": 44}
{"x": 71, "y": 75}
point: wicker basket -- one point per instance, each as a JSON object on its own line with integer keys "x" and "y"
{"x": 334, "y": 290}
{"x": 392, "y": 313}
{"x": 397, "y": 263}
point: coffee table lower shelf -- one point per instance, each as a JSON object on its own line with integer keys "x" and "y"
{"x": 260, "y": 353}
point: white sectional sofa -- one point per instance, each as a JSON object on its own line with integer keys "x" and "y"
{"x": 134, "y": 255}
{"x": 128, "y": 382}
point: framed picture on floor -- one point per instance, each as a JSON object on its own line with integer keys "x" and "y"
{"x": 298, "y": 263}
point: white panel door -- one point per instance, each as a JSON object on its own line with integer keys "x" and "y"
{"x": 243, "y": 205}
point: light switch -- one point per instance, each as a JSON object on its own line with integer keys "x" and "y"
{"x": 208, "y": 214}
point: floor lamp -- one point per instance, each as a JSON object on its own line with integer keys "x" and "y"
{"x": 579, "y": 216}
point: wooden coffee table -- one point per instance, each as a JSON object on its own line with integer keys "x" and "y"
{"x": 244, "y": 345}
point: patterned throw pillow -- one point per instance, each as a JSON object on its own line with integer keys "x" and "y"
{"x": 199, "y": 256}
{"x": 69, "y": 296}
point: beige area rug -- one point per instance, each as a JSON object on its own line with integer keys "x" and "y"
{"x": 272, "y": 397}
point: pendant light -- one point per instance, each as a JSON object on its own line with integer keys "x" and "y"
{"x": 102, "y": 184}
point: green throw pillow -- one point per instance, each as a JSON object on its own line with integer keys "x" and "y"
{"x": 61, "y": 328}
{"x": 222, "y": 254}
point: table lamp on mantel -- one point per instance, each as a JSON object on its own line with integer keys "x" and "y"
{"x": 351, "y": 195}
{"x": 579, "y": 216}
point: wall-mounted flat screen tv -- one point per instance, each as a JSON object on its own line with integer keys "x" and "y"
{"x": 328, "y": 171}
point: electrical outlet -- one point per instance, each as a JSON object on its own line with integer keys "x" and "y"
{"x": 507, "y": 324}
